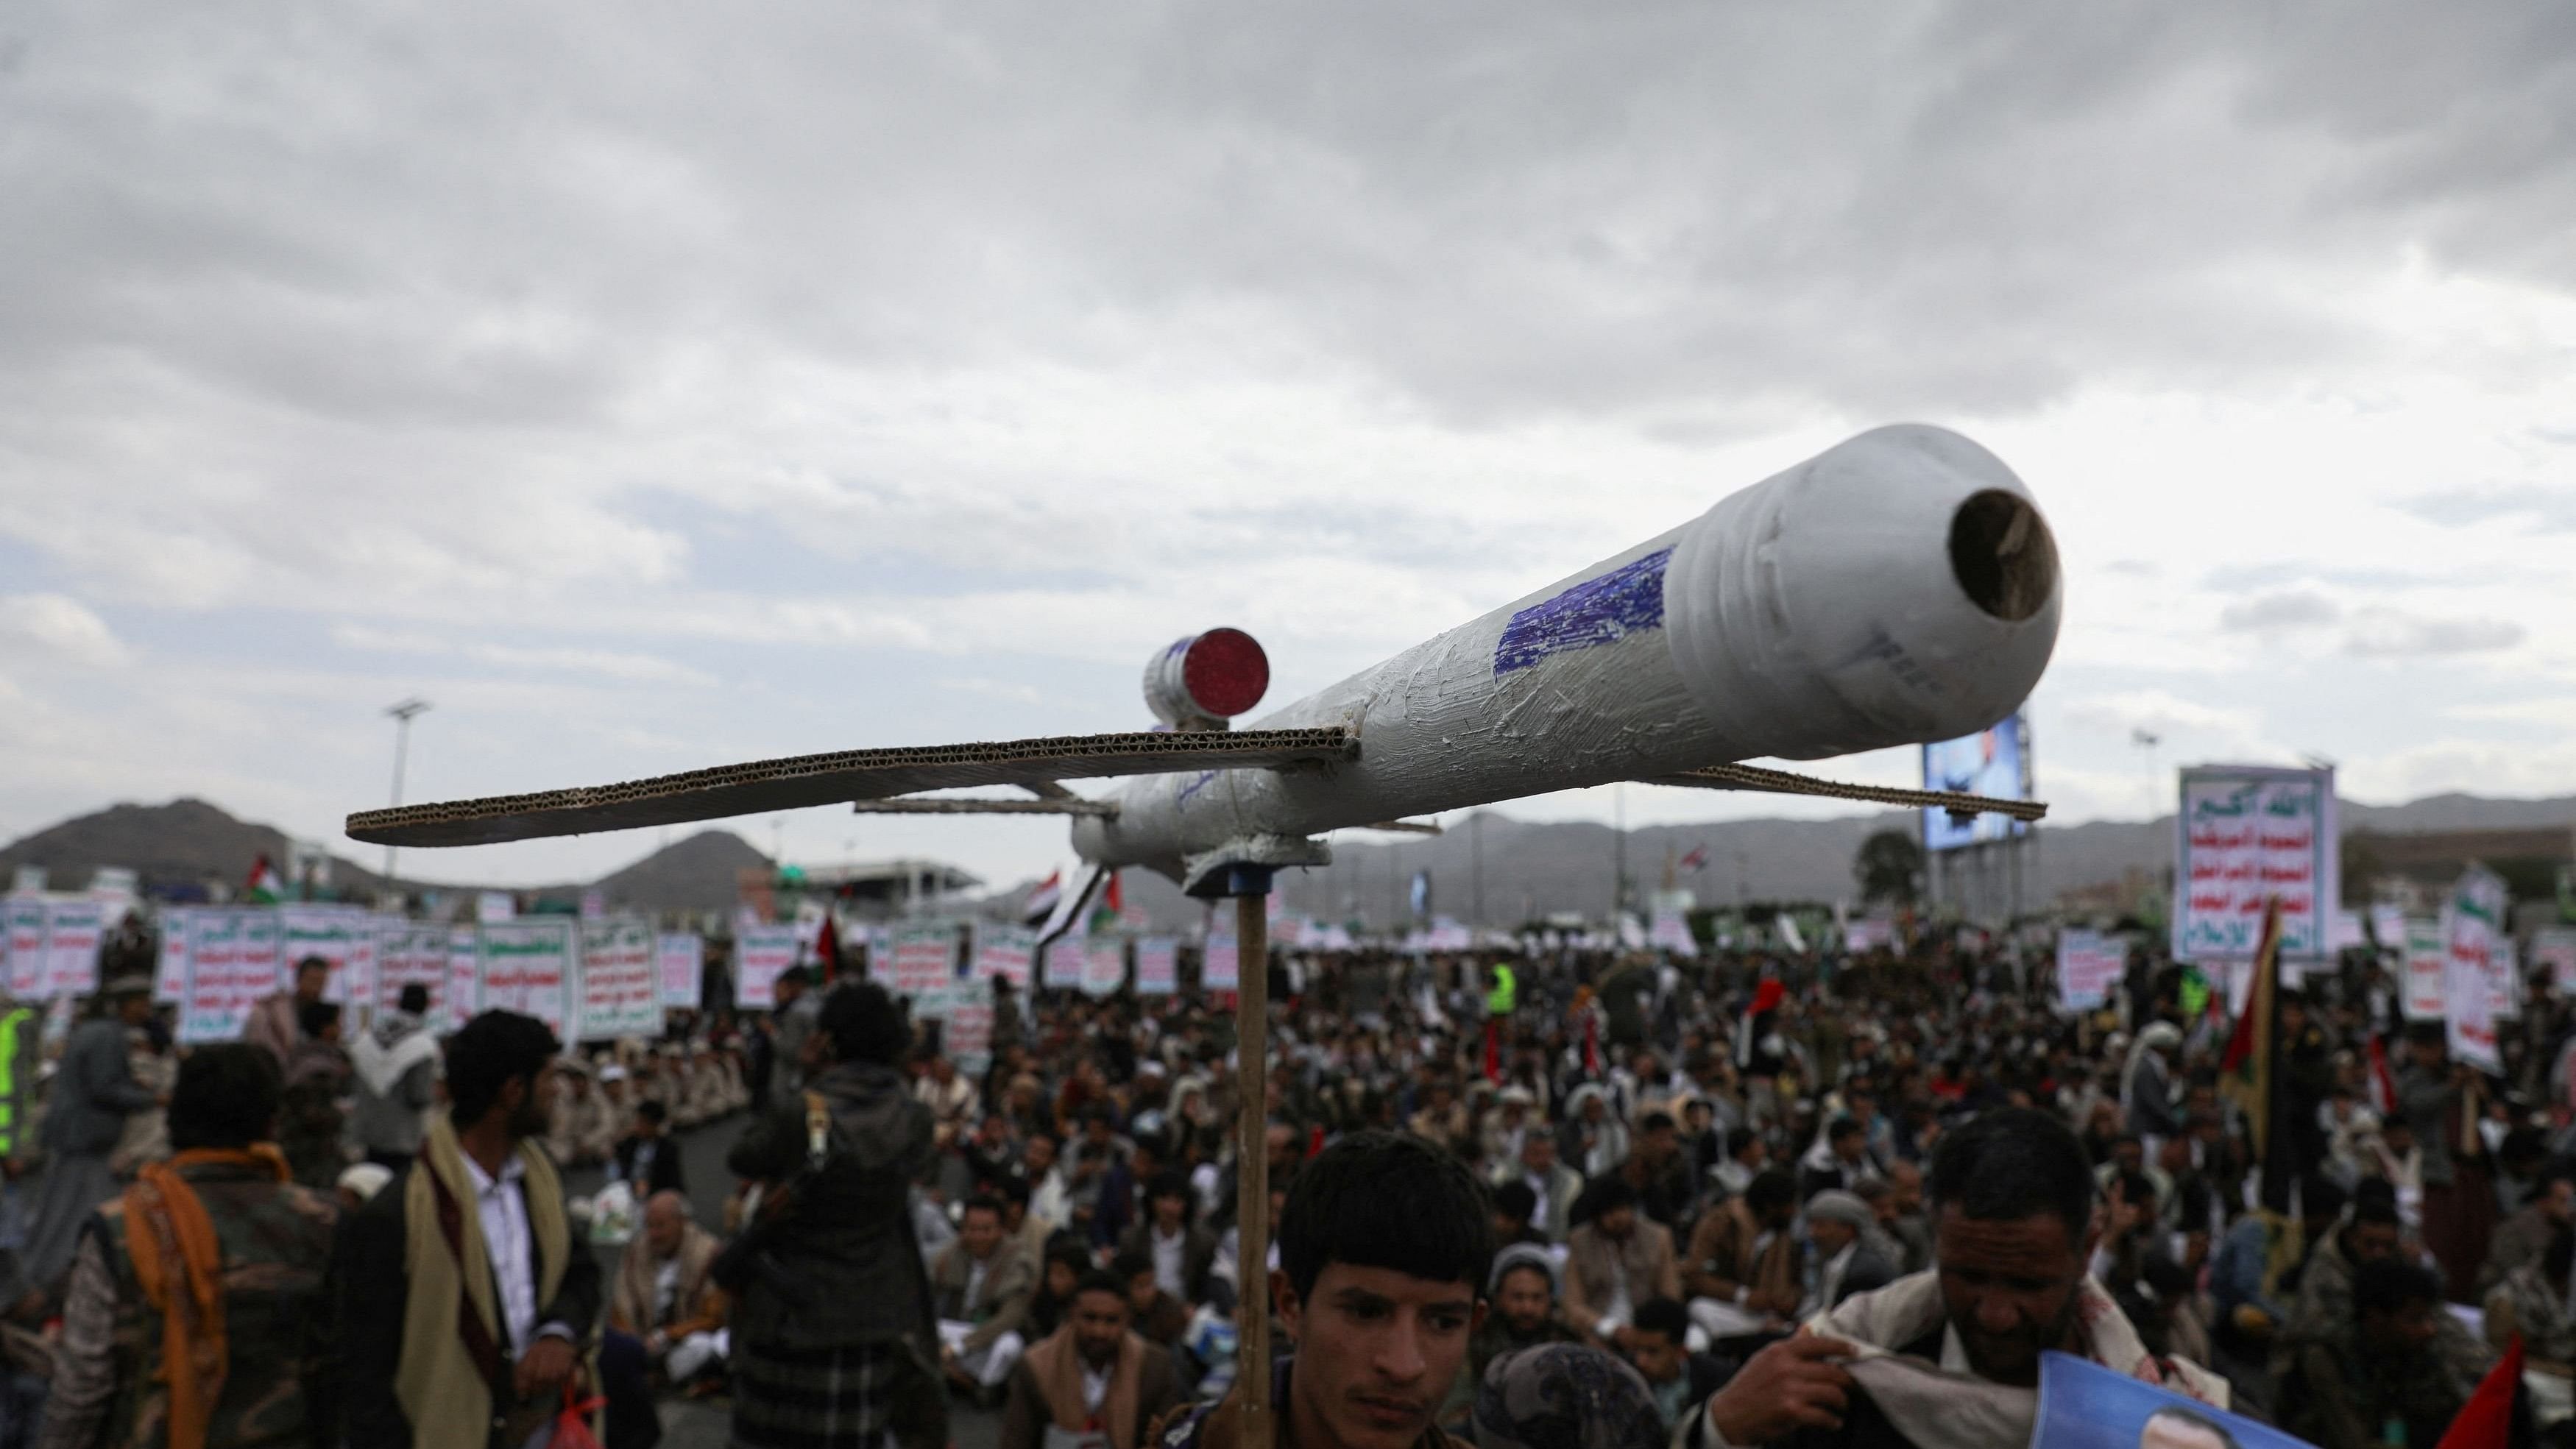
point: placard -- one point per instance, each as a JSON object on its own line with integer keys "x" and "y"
{"x": 924, "y": 959}
{"x": 2555, "y": 948}
{"x": 73, "y": 930}
{"x": 2388, "y": 927}
{"x": 463, "y": 997}
{"x": 1870, "y": 933}
{"x": 1004, "y": 951}
{"x": 760, "y": 953}
{"x": 1104, "y": 966}
{"x": 170, "y": 969}
{"x": 25, "y": 923}
{"x": 528, "y": 966}
{"x": 2083, "y": 1405}
{"x": 2468, "y": 990}
{"x": 679, "y": 963}
{"x": 2245, "y": 835}
{"x": 1672, "y": 932}
{"x": 966, "y": 1011}
{"x": 232, "y": 967}
{"x": 1064, "y": 961}
{"x": 619, "y": 994}
{"x": 1219, "y": 965}
{"x": 410, "y": 953}
{"x": 1158, "y": 966}
{"x": 2089, "y": 965}
{"x": 2424, "y": 952}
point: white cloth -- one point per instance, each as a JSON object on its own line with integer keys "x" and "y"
{"x": 988, "y": 1365}
{"x": 976, "y": 1268}
{"x": 503, "y": 1211}
{"x": 692, "y": 1354}
{"x": 1095, "y": 1388}
{"x": 1168, "y": 1264}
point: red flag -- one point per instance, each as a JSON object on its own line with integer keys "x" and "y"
{"x": 2486, "y": 1420}
{"x": 827, "y": 951}
{"x": 1493, "y": 1049}
{"x": 2383, "y": 1086}
{"x": 1592, "y": 1043}
{"x": 1115, "y": 900}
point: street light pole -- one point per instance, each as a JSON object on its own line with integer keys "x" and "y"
{"x": 402, "y": 714}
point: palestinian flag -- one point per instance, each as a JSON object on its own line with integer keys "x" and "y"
{"x": 2247, "y": 1071}
{"x": 2497, "y": 1416}
{"x": 1041, "y": 901}
{"x": 1104, "y": 916}
{"x": 266, "y": 888}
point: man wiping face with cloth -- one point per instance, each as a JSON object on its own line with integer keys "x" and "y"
{"x": 1949, "y": 1358}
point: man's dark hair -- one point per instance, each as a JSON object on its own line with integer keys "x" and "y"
{"x": 2013, "y": 1163}
{"x": 651, "y": 1110}
{"x": 1657, "y": 1122}
{"x": 865, "y": 1024}
{"x": 1842, "y": 1127}
{"x": 2389, "y": 1284}
{"x": 1739, "y": 1138}
{"x": 494, "y": 1048}
{"x": 1011, "y": 1190}
{"x": 982, "y": 1202}
{"x": 1100, "y": 1281}
{"x": 1170, "y": 1184}
{"x": 312, "y": 963}
{"x": 316, "y": 1017}
{"x": 1129, "y": 1266}
{"x": 1770, "y": 1188}
{"x": 414, "y": 998}
{"x": 1380, "y": 1199}
{"x": 2320, "y": 1197}
{"x": 1516, "y": 1200}
{"x": 794, "y": 976}
{"x": 226, "y": 1096}
{"x": 2374, "y": 1200}
{"x": 1609, "y": 1194}
{"x": 1664, "y": 1316}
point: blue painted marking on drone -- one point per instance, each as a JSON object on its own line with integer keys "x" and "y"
{"x": 1598, "y": 611}
{"x": 1192, "y": 788}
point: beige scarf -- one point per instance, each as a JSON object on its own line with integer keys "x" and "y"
{"x": 442, "y": 1392}
{"x": 1943, "y": 1410}
{"x": 1058, "y": 1366}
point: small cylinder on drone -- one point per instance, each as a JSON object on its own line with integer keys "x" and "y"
{"x": 1204, "y": 680}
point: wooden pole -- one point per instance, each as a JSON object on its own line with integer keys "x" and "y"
{"x": 1252, "y": 1169}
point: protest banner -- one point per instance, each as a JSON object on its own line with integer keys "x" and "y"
{"x": 2422, "y": 944}
{"x": 1158, "y": 966}
{"x": 25, "y": 923}
{"x": 2083, "y": 1405}
{"x": 1064, "y": 961}
{"x": 170, "y": 968}
{"x": 1870, "y": 933}
{"x": 1004, "y": 951}
{"x": 924, "y": 958}
{"x": 964, "y": 1009}
{"x": 2089, "y": 964}
{"x": 232, "y": 966}
{"x": 493, "y": 907}
{"x": 2555, "y": 948}
{"x": 410, "y": 954}
{"x": 679, "y": 965}
{"x": 618, "y": 994}
{"x": 464, "y": 994}
{"x": 341, "y": 935}
{"x": 2470, "y": 924}
{"x": 1104, "y": 966}
{"x": 73, "y": 931}
{"x": 1220, "y": 964}
{"x": 759, "y": 954}
{"x": 2388, "y": 927}
{"x": 2244, "y": 835}
{"x": 528, "y": 965}
{"x": 1672, "y": 932}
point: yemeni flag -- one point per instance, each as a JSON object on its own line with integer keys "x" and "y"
{"x": 1697, "y": 859}
{"x": 266, "y": 888}
{"x": 827, "y": 950}
{"x": 1041, "y": 901}
{"x": 2247, "y": 1073}
{"x": 2497, "y": 1416}
{"x": 1755, "y": 1024}
{"x": 2383, "y": 1086}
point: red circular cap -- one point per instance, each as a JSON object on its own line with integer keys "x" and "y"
{"x": 1225, "y": 672}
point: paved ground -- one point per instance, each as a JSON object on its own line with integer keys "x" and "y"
{"x": 702, "y": 1425}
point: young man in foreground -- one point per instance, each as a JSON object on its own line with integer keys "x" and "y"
{"x": 1383, "y": 1250}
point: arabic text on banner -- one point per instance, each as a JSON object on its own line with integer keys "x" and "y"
{"x": 25, "y": 923}
{"x": 925, "y": 958}
{"x": 2245, "y": 835}
{"x": 528, "y": 967}
{"x": 1005, "y": 951}
{"x": 679, "y": 964}
{"x": 1064, "y": 960}
{"x": 73, "y": 930}
{"x": 2471, "y": 928}
{"x": 966, "y": 1030}
{"x": 1218, "y": 965}
{"x": 1104, "y": 966}
{"x": 1158, "y": 966}
{"x": 464, "y": 995}
{"x": 232, "y": 965}
{"x": 618, "y": 994}
{"x": 341, "y": 935}
{"x": 759, "y": 954}
{"x": 2089, "y": 965}
{"x": 2425, "y": 950}
{"x": 170, "y": 972}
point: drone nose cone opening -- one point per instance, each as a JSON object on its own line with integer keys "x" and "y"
{"x": 1204, "y": 680}
{"x": 2002, "y": 555}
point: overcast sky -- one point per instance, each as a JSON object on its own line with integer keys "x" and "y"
{"x": 656, "y": 385}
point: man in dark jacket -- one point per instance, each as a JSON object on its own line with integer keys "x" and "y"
{"x": 476, "y": 1236}
{"x": 832, "y": 1318}
{"x": 1680, "y": 1379}
{"x": 92, "y": 1096}
{"x": 647, "y": 1159}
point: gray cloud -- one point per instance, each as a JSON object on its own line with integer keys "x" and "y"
{"x": 2551, "y": 510}
{"x": 2267, "y": 613}
{"x": 2387, "y": 634}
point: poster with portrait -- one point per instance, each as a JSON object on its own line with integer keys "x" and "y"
{"x": 2083, "y": 1405}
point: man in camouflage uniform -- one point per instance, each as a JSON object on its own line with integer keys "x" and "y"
{"x": 197, "y": 1308}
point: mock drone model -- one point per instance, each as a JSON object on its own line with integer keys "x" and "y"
{"x": 1896, "y": 589}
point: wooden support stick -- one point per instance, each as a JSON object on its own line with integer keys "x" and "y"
{"x": 1252, "y": 1169}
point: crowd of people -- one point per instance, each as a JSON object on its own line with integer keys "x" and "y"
{"x": 1597, "y": 1199}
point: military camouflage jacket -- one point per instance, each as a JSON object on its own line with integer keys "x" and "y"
{"x": 282, "y": 1382}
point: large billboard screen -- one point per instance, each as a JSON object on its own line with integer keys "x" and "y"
{"x": 1993, "y": 762}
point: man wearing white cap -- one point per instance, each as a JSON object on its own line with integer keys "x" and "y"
{"x": 601, "y": 1140}
{"x": 1837, "y": 1223}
